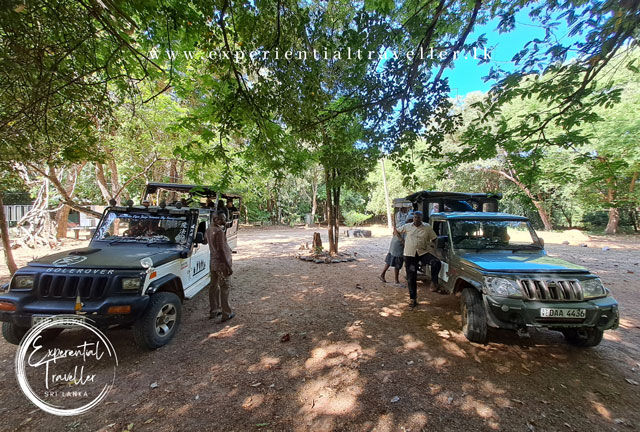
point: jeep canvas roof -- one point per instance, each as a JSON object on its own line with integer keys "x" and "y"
{"x": 193, "y": 190}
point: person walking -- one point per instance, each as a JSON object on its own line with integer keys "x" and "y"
{"x": 394, "y": 257}
{"x": 220, "y": 268}
{"x": 417, "y": 248}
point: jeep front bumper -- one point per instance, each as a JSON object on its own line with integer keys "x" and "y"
{"x": 27, "y": 305}
{"x": 513, "y": 313}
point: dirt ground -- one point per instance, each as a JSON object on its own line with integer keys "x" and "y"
{"x": 357, "y": 358}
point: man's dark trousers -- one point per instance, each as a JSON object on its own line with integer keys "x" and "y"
{"x": 411, "y": 266}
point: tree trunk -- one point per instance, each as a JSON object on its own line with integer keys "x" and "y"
{"x": 317, "y": 242}
{"x": 614, "y": 221}
{"x": 546, "y": 221}
{"x": 6, "y": 244}
{"x": 567, "y": 216}
{"x": 614, "y": 212}
{"x": 173, "y": 177}
{"x": 314, "y": 196}
{"x": 333, "y": 210}
{"x": 386, "y": 195}
{"x": 50, "y": 175}
{"x": 537, "y": 201}
{"x": 633, "y": 212}
{"x": 35, "y": 226}
{"x": 173, "y": 171}
{"x": 62, "y": 217}
{"x": 102, "y": 182}
{"x": 115, "y": 182}
{"x": 62, "y": 222}
{"x": 336, "y": 218}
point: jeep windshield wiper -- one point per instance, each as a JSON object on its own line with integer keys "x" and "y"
{"x": 122, "y": 240}
{"x": 155, "y": 242}
{"x": 525, "y": 247}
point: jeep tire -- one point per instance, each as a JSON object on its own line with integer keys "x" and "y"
{"x": 583, "y": 337}
{"x": 159, "y": 322}
{"x": 474, "y": 320}
{"x": 14, "y": 334}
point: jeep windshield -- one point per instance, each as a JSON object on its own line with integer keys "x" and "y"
{"x": 136, "y": 227}
{"x": 482, "y": 234}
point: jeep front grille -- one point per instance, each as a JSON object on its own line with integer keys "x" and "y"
{"x": 556, "y": 290}
{"x": 69, "y": 287}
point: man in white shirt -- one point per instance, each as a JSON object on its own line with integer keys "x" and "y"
{"x": 417, "y": 247}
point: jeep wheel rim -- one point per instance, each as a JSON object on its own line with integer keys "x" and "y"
{"x": 166, "y": 320}
{"x": 465, "y": 320}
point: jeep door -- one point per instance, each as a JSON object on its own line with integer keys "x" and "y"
{"x": 441, "y": 228}
{"x": 232, "y": 229}
{"x": 196, "y": 274}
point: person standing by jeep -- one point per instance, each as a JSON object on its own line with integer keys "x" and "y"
{"x": 394, "y": 257}
{"x": 417, "y": 249}
{"x": 220, "y": 268}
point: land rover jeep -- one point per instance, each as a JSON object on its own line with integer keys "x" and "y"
{"x": 140, "y": 265}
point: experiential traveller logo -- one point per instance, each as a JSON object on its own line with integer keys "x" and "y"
{"x": 67, "y": 376}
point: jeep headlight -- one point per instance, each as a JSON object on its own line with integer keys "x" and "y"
{"x": 502, "y": 287}
{"x": 593, "y": 288}
{"x": 146, "y": 263}
{"x": 22, "y": 282}
{"x": 130, "y": 284}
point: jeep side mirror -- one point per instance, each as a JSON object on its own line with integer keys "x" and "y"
{"x": 199, "y": 238}
{"x": 541, "y": 242}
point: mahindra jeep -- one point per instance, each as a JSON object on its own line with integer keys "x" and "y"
{"x": 141, "y": 264}
{"x": 498, "y": 264}
{"x": 507, "y": 280}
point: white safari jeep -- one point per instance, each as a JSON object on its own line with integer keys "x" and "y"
{"x": 142, "y": 263}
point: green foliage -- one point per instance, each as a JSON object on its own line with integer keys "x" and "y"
{"x": 66, "y": 66}
{"x": 596, "y": 220}
{"x": 353, "y": 218}
{"x": 573, "y": 93}
{"x": 556, "y": 132}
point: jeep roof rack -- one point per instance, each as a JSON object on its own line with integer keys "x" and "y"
{"x": 193, "y": 190}
{"x": 454, "y": 201}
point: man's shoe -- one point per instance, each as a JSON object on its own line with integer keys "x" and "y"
{"x": 214, "y": 315}
{"x": 413, "y": 303}
{"x": 434, "y": 287}
{"x": 227, "y": 317}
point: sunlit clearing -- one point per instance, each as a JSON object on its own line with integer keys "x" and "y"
{"x": 472, "y": 405}
{"x": 225, "y": 333}
{"x": 392, "y": 310}
{"x": 411, "y": 343}
{"x": 253, "y": 401}
{"x": 183, "y": 409}
{"x": 600, "y": 409}
{"x": 332, "y": 355}
{"x": 265, "y": 363}
{"x": 417, "y": 421}
{"x": 454, "y": 349}
{"x": 489, "y": 387}
{"x": 334, "y": 393}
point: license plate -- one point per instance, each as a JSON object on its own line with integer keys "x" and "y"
{"x": 563, "y": 313}
{"x": 60, "y": 321}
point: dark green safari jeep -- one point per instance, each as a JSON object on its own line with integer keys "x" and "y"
{"x": 505, "y": 277}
